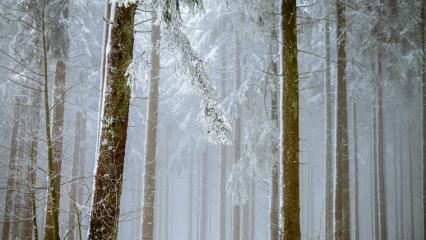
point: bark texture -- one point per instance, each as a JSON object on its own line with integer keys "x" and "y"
{"x": 329, "y": 168}
{"x": 148, "y": 219}
{"x": 12, "y": 168}
{"x": 342, "y": 190}
{"x": 290, "y": 111}
{"x": 105, "y": 211}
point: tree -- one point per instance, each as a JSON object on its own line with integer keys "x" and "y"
{"x": 111, "y": 150}
{"x": 356, "y": 163}
{"x": 204, "y": 195}
{"x": 148, "y": 221}
{"x": 290, "y": 111}
{"x": 329, "y": 168}
{"x": 342, "y": 208}
{"x": 16, "y": 137}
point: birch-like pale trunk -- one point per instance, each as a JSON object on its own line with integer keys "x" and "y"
{"x": 105, "y": 210}
{"x": 148, "y": 219}
{"x": 342, "y": 190}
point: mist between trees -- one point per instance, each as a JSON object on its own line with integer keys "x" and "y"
{"x": 212, "y": 119}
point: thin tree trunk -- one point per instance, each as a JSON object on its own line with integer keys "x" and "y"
{"x": 375, "y": 181}
{"x": 329, "y": 168}
{"x": 12, "y": 171}
{"x": 423, "y": 43}
{"x": 191, "y": 196}
{"x": 203, "y": 195}
{"x": 51, "y": 231}
{"x": 105, "y": 212}
{"x": 380, "y": 153}
{"x": 356, "y": 175}
{"x": 342, "y": 207}
{"x": 401, "y": 183}
{"x": 274, "y": 214}
{"x": 222, "y": 177}
{"x": 395, "y": 175}
{"x": 73, "y": 191}
{"x": 81, "y": 174}
{"x": 290, "y": 111}
{"x": 410, "y": 175}
{"x": 148, "y": 223}
{"x": 236, "y": 225}
{"x": 33, "y": 158}
{"x": 253, "y": 209}
{"x": 52, "y": 215}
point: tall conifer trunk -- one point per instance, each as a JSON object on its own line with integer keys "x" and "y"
{"x": 290, "y": 111}
{"x": 342, "y": 208}
{"x": 148, "y": 221}
{"x": 356, "y": 174}
{"x": 105, "y": 211}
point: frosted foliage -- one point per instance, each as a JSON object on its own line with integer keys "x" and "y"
{"x": 138, "y": 73}
{"x": 212, "y": 115}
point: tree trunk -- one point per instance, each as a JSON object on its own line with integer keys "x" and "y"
{"x": 236, "y": 225}
{"x": 380, "y": 153}
{"x": 290, "y": 111}
{"x": 191, "y": 196}
{"x": 375, "y": 181}
{"x": 34, "y": 157}
{"x": 51, "y": 231}
{"x": 12, "y": 171}
{"x": 401, "y": 184}
{"x": 395, "y": 180}
{"x": 151, "y": 139}
{"x": 105, "y": 212}
{"x": 253, "y": 209}
{"x": 274, "y": 214}
{"x": 81, "y": 174}
{"x": 342, "y": 207}
{"x": 52, "y": 212}
{"x": 356, "y": 181}
{"x": 222, "y": 177}
{"x": 411, "y": 187}
{"x": 329, "y": 168}
{"x": 73, "y": 211}
{"x": 203, "y": 194}
{"x": 423, "y": 43}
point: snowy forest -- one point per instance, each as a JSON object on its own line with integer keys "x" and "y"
{"x": 212, "y": 119}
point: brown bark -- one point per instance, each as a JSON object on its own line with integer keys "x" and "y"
{"x": 105, "y": 212}
{"x": 12, "y": 170}
{"x": 342, "y": 208}
{"x": 329, "y": 168}
{"x": 290, "y": 145}
{"x": 148, "y": 220}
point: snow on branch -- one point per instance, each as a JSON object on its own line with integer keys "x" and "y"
{"x": 212, "y": 114}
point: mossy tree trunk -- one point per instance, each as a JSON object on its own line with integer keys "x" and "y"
{"x": 105, "y": 212}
